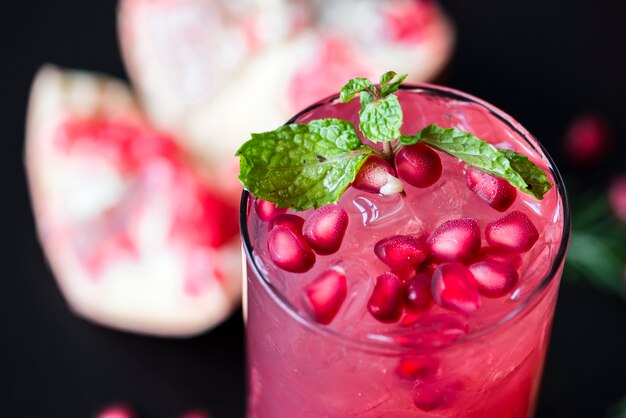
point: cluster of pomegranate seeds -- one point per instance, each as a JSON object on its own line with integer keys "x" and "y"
{"x": 293, "y": 242}
{"x": 449, "y": 266}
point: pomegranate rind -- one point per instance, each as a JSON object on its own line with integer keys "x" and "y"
{"x": 144, "y": 294}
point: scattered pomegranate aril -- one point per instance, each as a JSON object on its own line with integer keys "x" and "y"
{"x": 417, "y": 297}
{"x": 401, "y": 251}
{"x": 513, "y": 232}
{"x": 454, "y": 288}
{"x": 289, "y": 251}
{"x": 412, "y": 367}
{"x": 418, "y": 165}
{"x": 385, "y": 304}
{"x": 267, "y": 210}
{"x": 294, "y": 222}
{"x": 455, "y": 240}
{"x": 497, "y": 192}
{"x": 429, "y": 395}
{"x": 326, "y": 294}
{"x": 494, "y": 279}
{"x": 117, "y": 411}
{"x": 325, "y": 228}
{"x": 377, "y": 176}
{"x": 588, "y": 140}
{"x": 501, "y": 256}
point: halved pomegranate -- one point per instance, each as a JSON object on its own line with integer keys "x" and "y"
{"x": 136, "y": 238}
{"x": 197, "y": 63}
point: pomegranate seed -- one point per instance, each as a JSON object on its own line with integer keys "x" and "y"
{"x": 289, "y": 251}
{"x": 418, "y": 165}
{"x": 617, "y": 197}
{"x": 401, "y": 251}
{"x": 417, "y": 296}
{"x": 455, "y": 240}
{"x": 434, "y": 394}
{"x": 325, "y": 228}
{"x": 377, "y": 176}
{"x": 428, "y": 266}
{"x": 588, "y": 140}
{"x": 405, "y": 274}
{"x": 435, "y": 331}
{"x": 412, "y": 367}
{"x": 494, "y": 279}
{"x": 501, "y": 256}
{"x": 117, "y": 411}
{"x": 513, "y": 232}
{"x": 497, "y": 192}
{"x": 294, "y": 222}
{"x": 267, "y": 210}
{"x": 410, "y": 318}
{"x": 454, "y": 288}
{"x": 326, "y": 294}
{"x": 385, "y": 304}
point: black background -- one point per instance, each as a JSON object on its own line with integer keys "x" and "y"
{"x": 544, "y": 62}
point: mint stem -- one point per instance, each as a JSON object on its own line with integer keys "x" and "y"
{"x": 388, "y": 152}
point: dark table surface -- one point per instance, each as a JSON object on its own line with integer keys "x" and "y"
{"x": 543, "y": 61}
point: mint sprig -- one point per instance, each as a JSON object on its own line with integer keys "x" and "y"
{"x": 309, "y": 165}
{"x": 515, "y": 168}
{"x": 302, "y": 165}
{"x": 380, "y": 114}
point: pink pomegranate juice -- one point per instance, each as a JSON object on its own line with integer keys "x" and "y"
{"x": 435, "y": 302}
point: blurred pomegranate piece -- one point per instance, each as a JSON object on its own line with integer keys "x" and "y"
{"x": 197, "y": 63}
{"x": 196, "y": 413}
{"x": 136, "y": 238}
{"x": 117, "y": 411}
{"x": 588, "y": 140}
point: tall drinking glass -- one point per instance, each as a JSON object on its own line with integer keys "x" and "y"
{"x": 436, "y": 363}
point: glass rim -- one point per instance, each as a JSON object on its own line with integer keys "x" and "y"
{"x": 364, "y": 344}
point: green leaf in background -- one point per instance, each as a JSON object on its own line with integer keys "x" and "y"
{"x": 618, "y": 410}
{"x": 302, "y": 165}
{"x": 380, "y": 120}
{"x": 596, "y": 254}
{"x": 484, "y": 156}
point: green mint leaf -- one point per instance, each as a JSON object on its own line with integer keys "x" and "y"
{"x": 391, "y": 85}
{"x": 537, "y": 182}
{"x": 380, "y": 120}
{"x": 353, "y": 87}
{"x": 518, "y": 171}
{"x": 302, "y": 165}
{"x": 365, "y": 98}
{"x": 387, "y": 77}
